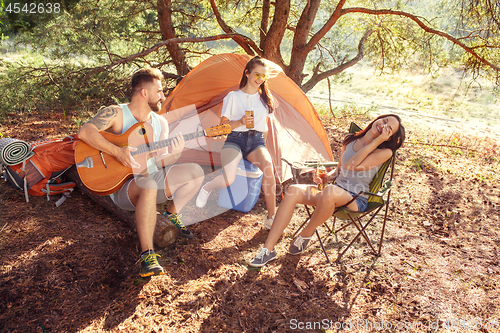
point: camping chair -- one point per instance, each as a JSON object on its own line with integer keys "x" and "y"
{"x": 376, "y": 203}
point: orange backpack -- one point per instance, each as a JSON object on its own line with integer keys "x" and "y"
{"x": 41, "y": 173}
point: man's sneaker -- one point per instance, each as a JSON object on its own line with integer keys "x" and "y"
{"x": 202, "y": 198}
{"x": 175, "y": 219}
{"x": 263, "y": 257}
{"x": 149, "y": 264}
{"x": 268, "y": 223}
{"x": 299, "y": 244}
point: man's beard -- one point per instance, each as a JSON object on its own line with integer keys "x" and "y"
{"x": 154, "y": 106}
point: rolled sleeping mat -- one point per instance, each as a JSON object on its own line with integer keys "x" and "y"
{"x": 14, "y": 151}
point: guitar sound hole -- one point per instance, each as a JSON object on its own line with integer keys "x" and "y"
{"x": 142, "y": 131}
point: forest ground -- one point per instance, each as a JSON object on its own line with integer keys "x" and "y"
{"x": 73, "y": 268}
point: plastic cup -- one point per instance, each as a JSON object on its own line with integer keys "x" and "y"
{"x": 321, "y": 173}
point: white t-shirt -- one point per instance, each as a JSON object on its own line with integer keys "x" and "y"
{"x": 234, "y": 106}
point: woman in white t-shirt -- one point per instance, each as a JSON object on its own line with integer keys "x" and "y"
{"x": 246, "y": 142}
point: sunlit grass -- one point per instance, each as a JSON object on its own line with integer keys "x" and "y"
{"x": 444, "y": 94}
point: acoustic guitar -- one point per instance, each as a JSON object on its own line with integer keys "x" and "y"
{"x": 103, "y": 174}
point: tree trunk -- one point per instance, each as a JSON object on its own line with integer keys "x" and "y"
{"x": 303, "y": 44}
{"x": 271, "y": 45}
{"x": 295, "y": 70}
{"x": 165, "y": 232}
{"x": 321, "y": 76}
{"x": 264, "y": 23}
{"x": 228, "y": 30}
{"x": 168, "y": 32}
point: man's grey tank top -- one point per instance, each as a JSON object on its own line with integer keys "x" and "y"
{"x": 128, "y": 121}
{"x": 354, "y": 181}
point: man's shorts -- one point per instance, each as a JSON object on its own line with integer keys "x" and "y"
{"x": 122, "y": 200}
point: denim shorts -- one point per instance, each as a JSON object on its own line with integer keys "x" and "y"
{"x": 246, "y": 142}
{"x": 362, "y": 202}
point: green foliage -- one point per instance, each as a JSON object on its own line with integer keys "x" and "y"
{"x": 347, "y": 111}
{"x": 33, "y": 85}
{"x": 20, "y": 16}
{"x": 71, "y": 53}
{"x": 420, "y": 163}
{"x": 2, "y": 17}
{"x": 94, "y": 31}
{"x": 91, "y": 34}
{"x": 98, "y": 33}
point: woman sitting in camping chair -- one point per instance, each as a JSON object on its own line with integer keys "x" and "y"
{"x": 363, "y": 153}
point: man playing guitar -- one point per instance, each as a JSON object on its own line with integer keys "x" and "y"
{"x": 165, "y": 180}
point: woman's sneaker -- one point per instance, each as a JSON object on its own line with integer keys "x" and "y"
{"x": 263, "y": 257}
{"x": 175, "y": 219}
{"x": 299, "y": 245}
{"x": 268, "y": 223}
{"x": 202, "y": 198}
{"x": 149, "y": 264}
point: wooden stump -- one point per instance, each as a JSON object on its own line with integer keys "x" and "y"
{"x": 165, "y": 232}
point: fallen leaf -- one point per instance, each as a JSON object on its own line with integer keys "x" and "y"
{"x": 301, "y": 285}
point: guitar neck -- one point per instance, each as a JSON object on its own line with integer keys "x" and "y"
{"x": 156, "y": 145}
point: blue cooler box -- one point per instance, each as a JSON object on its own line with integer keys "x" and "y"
{"x": 244, "y": 192}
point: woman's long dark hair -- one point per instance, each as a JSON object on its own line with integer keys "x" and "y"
{"x": 394, "y": 142}
{"x": 265, "y": 94}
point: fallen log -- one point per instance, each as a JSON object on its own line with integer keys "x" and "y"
{"x": 165, "y": 232}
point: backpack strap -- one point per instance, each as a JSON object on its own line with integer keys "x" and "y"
{"x": 48, "y": 191}
{"x": 23, "y": 169}
{"x": 63, "y": 198}
{"x": 57, "y": 188}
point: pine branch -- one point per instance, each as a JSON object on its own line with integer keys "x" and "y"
{"x": 425, "y": 27}
{"x": 172, "y": 41}
{"x": 243, "y": 42}
{"x": 316, "y": 77}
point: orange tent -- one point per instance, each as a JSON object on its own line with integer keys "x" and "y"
{"x": 295, "y": 130}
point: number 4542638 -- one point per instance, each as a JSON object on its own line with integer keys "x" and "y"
{"x": 33, "y": 8}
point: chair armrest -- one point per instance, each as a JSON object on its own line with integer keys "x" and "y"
{"x": 308, "y": 164}
{"x": 293, "y": 165}
{"x": 286, "y": 161}
{"x": 313, "y": 164}
{"x": 383, "y": 190}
